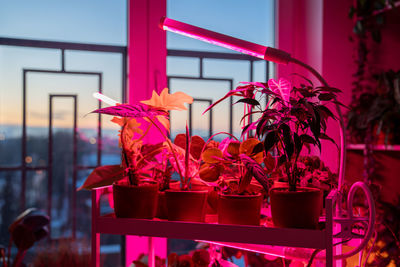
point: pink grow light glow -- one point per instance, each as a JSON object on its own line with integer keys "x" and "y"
{"x": 263, "y": 249}
{"x": 226, "y": 41}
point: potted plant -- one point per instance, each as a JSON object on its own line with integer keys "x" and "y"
{"x": 294, "y": 118}
{"x": 186, "y": 203}
{"x": 129, "y": 179}
{"x": 165, "y": 169}
{"x": 229, "y": 163}
{"x": 312, "y": 173}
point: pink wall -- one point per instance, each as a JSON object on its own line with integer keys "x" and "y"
{"x": 338, "y": 65}
{"x": 316, "y": 32}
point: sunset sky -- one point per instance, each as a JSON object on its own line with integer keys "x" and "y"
{"x": 105, "y": 23}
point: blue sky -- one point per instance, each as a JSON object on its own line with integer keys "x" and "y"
{"x": 104, "y": 22}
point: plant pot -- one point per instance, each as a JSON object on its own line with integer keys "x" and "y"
{"x": 239, "y": 209}
{"x": 280, "y": 184}
{"x": 212, "y": 196}
{"x": 138, "y": 202}
{"x": 299, "y": 209}
{"x": 186, "y": 205}
{"x": 162, "y": 211}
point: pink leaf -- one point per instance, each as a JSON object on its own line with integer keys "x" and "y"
{"x": 133, "y": 111}
{"x": 282, "y": 88}
{"x": 237, "y": 92}
{"x": 258, "y": 84}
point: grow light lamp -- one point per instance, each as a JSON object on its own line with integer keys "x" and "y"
{"x": 242, "y": 46}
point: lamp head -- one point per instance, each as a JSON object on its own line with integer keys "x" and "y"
{"x": 245, "y": 47}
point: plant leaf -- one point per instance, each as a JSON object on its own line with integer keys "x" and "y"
{"x": 340, "y": 104}
{"x": 196, "y": 146}
{"x": 327, "y": 111}
{"x": 324, "y": 136}
{"x": 233, "y": 148}
{"x": 249, "y": 101}
{"x": 169, "y": 101}
{"x": 258, "y": 84}
{"x": 269, "y": 162}
{"x": 247, "y": 147}
{"x": 103, "y": 176}
{"x": 256, "y": 170}
{"x": 282, "y": 88}
{"x": 212, "y": 155}
{"x": 305, "y": 138}
{"x": 298, "y": 145}
{"x": 282, "y": 159}
{"x": 269, "y": 141}
{"x": 287, "y": 139}
{"x": 326, "y": 96}
{"x": 328, "y": 89}
{"x": 245, "y": 181}
{"x": 238, "y": 92}
{"x": 134, "y": 111}
{"x": 209, "y": 172}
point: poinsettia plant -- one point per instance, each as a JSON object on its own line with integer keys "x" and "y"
{"x": 293, "y": 118}
{"x": 138, "y": 157}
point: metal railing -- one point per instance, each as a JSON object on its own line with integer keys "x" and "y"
{"x": 23, "y": 166}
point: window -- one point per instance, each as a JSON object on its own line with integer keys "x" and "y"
{"x": 48, "y": 152}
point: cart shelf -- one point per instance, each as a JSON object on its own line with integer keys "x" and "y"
{"x": 261, "y": 235}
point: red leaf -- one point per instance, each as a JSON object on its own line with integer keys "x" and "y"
{"x": 238, "y": 92}
{"x": 103, "y": 176}
{"x": 256, "y": 170}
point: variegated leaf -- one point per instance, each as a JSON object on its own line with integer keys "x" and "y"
{"x": 133, "y": 111}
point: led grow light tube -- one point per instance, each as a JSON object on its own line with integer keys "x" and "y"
{"x": 105, "y": 99}
{"x": 245, "y": 47}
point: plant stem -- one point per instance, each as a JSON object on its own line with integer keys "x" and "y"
{"x": 289, "y": 172}
{"x": 172, "y": 150}
{"x": 131, "y": 178}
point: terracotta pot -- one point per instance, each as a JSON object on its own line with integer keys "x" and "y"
{"x": 138, "y": 202}
{"x": 162, "y": 211}
{"x": 299, "y": 209}
{"x": 239, "y": 209}
{"x": 186, "y": 205}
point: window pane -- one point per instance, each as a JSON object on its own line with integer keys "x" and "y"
{"x": 89, "y": 21}
{"x": 252, "y": 22}
{"x": 10, "y": 192}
